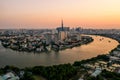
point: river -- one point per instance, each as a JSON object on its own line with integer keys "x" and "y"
{"x": 100, "y": 45}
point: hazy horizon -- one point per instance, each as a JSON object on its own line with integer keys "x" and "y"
{"x": 43, "y": 14}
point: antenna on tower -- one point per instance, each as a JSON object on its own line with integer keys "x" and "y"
{"x": 62, "y": 25}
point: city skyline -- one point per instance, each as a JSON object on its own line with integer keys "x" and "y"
{"x": 37, "y": 14}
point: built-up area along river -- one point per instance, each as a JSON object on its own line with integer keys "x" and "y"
{"x": 100, "y": 45}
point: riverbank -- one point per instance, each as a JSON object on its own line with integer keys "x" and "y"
{"x": 75, "y": 71}
{"x": 78, "y": 70}
{"x": 84, "y": 40}
{"x": 26, "y": 59}
{"x": 38, "y": 46}
{"x": 113, "y": 36}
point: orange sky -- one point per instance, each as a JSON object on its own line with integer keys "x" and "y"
{"x": 48, "y": 13}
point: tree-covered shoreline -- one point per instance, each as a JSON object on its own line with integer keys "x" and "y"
{"x": 55, "y": 72}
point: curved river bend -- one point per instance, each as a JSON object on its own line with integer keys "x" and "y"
{"x": 100, "y": 45}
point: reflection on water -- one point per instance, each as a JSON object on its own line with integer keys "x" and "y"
{"x": 100, "y": 45}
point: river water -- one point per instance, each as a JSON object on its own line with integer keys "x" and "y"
{"x": 100, "y": 45}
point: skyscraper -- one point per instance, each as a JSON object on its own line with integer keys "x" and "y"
{"x": 62, "y": 31}
{"x": 62, "y": 25}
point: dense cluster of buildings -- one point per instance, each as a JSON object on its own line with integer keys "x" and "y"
{"x": 60, "y": 38}
{"x": 43, "y": 40}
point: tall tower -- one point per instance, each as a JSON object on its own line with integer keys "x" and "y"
{"x": 62, "y": 25}
{"x": 62, "y": 32}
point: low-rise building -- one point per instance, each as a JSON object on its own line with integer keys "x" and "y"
{"x": 9, "y": 76}
{"x": 96, "y": 72}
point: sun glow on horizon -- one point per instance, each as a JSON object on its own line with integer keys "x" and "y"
{"x": 48, "y": 13}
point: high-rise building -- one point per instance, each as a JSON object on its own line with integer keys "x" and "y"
{"x": 62, "y": 27}
{"x": 62, "y": 35}
{"x": 62, "y": 31}
{"x": 48, "y": 37}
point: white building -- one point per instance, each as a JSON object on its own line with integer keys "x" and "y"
{"x": 63, "y": 35}
{"x": 97, "y": 72}
{"x": 9, "y": 76}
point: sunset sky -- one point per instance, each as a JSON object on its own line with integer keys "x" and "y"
{"x": 33, "y": 14}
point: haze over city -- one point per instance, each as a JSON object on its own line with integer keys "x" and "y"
{"x": 37, "y": 14}
{"x": 59, "y": 40}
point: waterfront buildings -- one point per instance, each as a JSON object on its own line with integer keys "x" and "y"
{"x": 39, "y": 40}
